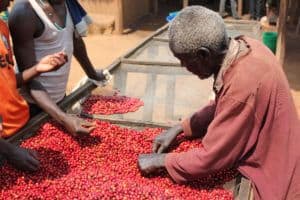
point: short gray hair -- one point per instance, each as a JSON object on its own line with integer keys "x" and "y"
{"x": 196, "y": 27}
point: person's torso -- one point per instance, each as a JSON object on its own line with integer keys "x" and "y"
{"x": 259, "y": 81}
{"x": 13, "y": 109}
{"x": 52, "y": 40}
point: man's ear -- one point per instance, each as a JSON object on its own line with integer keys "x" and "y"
{"x": 204, "y": 54}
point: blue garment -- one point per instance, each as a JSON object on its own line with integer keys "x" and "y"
{"x": 232, "y": 5}
{"x": 257, "y": 9}
{"x": 79, "y": 16}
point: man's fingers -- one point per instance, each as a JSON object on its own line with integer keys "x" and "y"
{"x": 34, "y": 162}
{"x": 33, "y": 154}
{"x": 161, "y": 149}
{"x": 83, "y": 131}
{"x": 54, "y": 61}
{"x": 155, "y": 146}
{"x": 87, "y": 124}
{"x": 91, "y": 128}
{"x": 31, "y": 167}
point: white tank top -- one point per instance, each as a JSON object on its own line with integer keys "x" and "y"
{"x": 52, "y": 40}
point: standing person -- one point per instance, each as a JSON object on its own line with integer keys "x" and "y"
{"x": 14, "y": 111}
{"x": 233, "y": 7}
{"x": 257, "y": 9}
{"x": 41, "y": 27}
{"x": 252, "y": 125}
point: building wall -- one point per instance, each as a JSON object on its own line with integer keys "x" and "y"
{"x": 105, "y": 7}
{"x": 135, "y": 9}
{"x": 132, "y": 9}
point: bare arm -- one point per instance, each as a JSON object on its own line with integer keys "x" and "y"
{"x": 81, "y": 56}
{"x": 26, "y": 75}
{"x": 25, "y": 25}
{"x": 46, "y": 64}
{"x": 19, "y": 157}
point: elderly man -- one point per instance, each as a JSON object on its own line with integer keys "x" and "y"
{"x": 41, "y": 27}
{"x": 252, "y": 124}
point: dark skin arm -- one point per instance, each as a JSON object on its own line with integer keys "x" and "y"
{"x": 48, "y": 63}
{"x": 19, "y": 21}
{"x": 19, "y": 157}
{"x": 80, "y": 53}
{"x": 25, "y": 26}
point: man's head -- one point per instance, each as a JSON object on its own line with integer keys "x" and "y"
{"x": 4, "y": 4}
{"x": 198, "y": 38}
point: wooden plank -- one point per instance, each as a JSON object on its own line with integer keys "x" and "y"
{"x": 155, "y": 6}
{"x": 125, "y": 122}
{"x": 149, "y": 97}
{"x": 167, "y": 70}
{"x": 170, "y": 97}
{"x": 240, "y": 7}
{"x": 161, "y": 39}
{"x": 146, "y": 62}
{"x": 232, "y": 186}
{"x": 245, "y": 191}
{"x": 298, "y": 26}
{"x": 281, "y": 40}
{"x": 120, "y": 81}
{"x": 148, "y": 39}
{"x": 119, "y": 25}
{"x": 185, "y": 3}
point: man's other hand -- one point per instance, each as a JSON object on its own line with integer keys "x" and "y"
{"x": 77, "y": 126}
{"x": 51, "y": 62}
{"x": 163, "y": 141}
{"x": 23, "y": 159}
{"x": 150, "y": 163}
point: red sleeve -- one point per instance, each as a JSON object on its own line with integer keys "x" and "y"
{"x": 196, "y": 125}
{"x": 224, "y": 144}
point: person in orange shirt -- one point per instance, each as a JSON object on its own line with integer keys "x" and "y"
{"x": 14, "y": 111}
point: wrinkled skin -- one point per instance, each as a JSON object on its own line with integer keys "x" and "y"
{"x": 163, "y": 141}
{"x": 205, "y": 63}
{"x": 20, "y": 158}
{"x": 23, "y": 159}
{"x": 77, "y": 126}
{"x": 149, "y": 163}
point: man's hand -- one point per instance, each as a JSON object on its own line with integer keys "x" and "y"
{"x": 77, "y": 126}
{"x": 51, "y": 62}
{"x": 23, "y": 159}
{"x": 99, "y": 76}
{"x": 149, "y": 163}
{"x": 163, "y": 141}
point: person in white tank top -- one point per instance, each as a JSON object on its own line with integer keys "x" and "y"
{"x": 39, "y": 28}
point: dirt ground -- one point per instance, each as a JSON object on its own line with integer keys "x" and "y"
{"x": 104, "y": 49}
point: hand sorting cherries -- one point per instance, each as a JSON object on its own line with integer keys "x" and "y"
{"x": 103, "y": 166}
{"x": 107, "y": 105}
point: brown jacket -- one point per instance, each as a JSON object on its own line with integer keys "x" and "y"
{"x": 252, "y": 125}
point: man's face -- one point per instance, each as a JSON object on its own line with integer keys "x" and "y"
{"x": 201, "y": 67}
{"x": 4, "y": 4}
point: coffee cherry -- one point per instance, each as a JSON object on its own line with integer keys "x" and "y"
{"x": 103, "y": 165}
